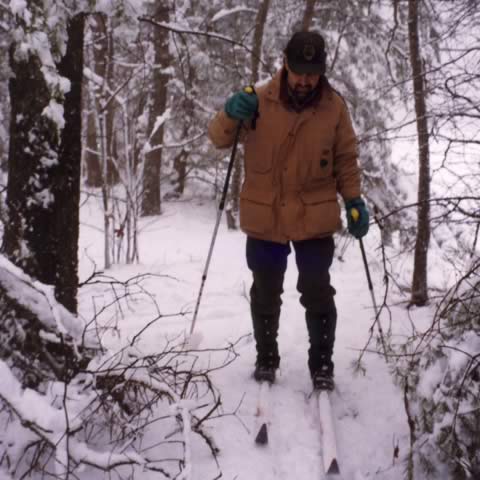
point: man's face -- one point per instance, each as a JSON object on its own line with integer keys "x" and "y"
{"x": 301, "y": 84}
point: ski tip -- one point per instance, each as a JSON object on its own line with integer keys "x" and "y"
{"x": 262, "y": 435}
{"x": 333, "y": 469}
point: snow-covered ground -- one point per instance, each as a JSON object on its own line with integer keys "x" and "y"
{"x": 368, "y": 409}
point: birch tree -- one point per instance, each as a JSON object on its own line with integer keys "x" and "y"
{"x": 100, "y": 167}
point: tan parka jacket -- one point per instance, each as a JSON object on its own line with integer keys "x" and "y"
{"x": 295, "y": 163}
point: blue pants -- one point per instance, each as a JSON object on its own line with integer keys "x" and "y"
{"x": 268, "y": 263}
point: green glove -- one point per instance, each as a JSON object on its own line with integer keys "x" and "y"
{"x": 357, "y": 217}
{"x": 241, "y": 105}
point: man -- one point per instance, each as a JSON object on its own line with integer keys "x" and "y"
{"x": 300, "y": 150}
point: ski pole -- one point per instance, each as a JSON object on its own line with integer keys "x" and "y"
{"x": 355, "y": 216}
{"x": 221, "y": 207}
{"x": 217, "y": 224}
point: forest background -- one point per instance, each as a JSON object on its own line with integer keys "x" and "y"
{"x": 110, "y": 101}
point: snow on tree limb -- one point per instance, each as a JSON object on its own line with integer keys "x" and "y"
{"x": 116, "y": 398}
{"x": 159, "y": 121}
{"x": 48, "y": 423}
{"x": 179, "y": 29}
{"x": 39, "y": 299}
{"x": 231, "y": 11}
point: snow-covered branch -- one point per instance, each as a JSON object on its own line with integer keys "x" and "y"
{"x": 188, "y": 141}
{"x": 216, "y": 36}
{"x": 117, "y": 398}
{"x": 224, "y": 13}
{"x": 113, "y": 401}
{"x": 40, "y": 335}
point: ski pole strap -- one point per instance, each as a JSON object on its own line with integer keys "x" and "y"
{"x": 250, "y": 89}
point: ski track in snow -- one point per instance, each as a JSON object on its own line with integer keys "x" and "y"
{"x": 368, "y": 409}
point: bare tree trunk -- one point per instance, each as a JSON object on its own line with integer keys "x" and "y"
{"x": 66, "y": 185}
{"x": 180, "y": 166}
{"x": 308, "y": 14}
{"x": 102, "y": 54}
{"x": 419, "y": 284}
{"x": 258, "y": 38}
{"x": 92, "y": 154}
{"x": 4, "y": 113}
{"x": 93, "y": 169}
{"x": 43, "y": 189}
{"x": 179, "y": 180}
{"x": 151, "y": 198}
{"x": 101, "y": 120}
{"x": 111, "y": 140}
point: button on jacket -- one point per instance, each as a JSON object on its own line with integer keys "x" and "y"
{"x": 295, "y": 164}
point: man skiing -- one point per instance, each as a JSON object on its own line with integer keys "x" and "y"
{"x": 300, "y": 151}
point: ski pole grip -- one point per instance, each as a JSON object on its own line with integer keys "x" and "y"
{"x": 355, "y": 214}
{"x": 250, "y": 89}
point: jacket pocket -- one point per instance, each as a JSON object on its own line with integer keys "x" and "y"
{"x": 321, "y": 164}
{"x": 256, "y": 210}
{"x": 321, "y": 211}
{"x": 315, "y": 160}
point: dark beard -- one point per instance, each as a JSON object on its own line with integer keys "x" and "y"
{"x": 302, "y": 93}
{"x": 299, "y": 101}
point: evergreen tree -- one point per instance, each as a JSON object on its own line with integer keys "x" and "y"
{"x": 41, "y": 235}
